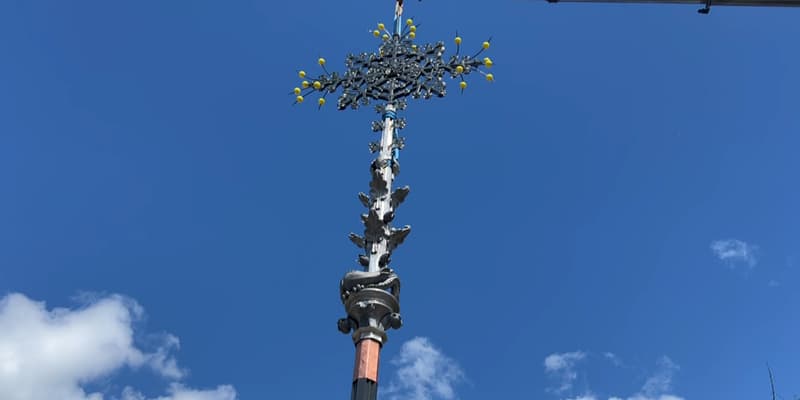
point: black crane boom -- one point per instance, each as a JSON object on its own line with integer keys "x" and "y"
{"x": 706, "y": 3}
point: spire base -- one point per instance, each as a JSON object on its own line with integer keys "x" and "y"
{"x": 371, "y": 311}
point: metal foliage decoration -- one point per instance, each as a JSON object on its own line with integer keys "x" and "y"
{"x": 400, "y": 69}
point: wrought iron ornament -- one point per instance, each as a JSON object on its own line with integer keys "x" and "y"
{"x": 399, "y": 70}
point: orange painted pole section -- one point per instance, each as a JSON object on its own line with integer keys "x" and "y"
{"x": 368, "y": 354}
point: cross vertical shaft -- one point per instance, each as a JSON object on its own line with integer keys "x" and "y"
{"x": 385, "y": 160}
{"x": 373, "y": 296}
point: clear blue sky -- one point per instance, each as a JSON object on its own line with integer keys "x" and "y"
{"x": 627, "y": 185}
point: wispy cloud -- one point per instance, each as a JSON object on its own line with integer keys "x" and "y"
{"x": 587, "y": 396}
{"x": 613, "y": 358}
{"x": 561, "y": 366}
{"x": 177, "y": 391}
{"x": 657, "y": 386}
{"x": 52, "y": 354}
{"x": 423, "y": 373}
{"x": 735, "y": 252}
{"x": 660, "y": 383}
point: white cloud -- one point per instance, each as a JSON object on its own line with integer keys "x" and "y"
{"x": 733, "y": 252}
{"x": 584, "y": 397}
{"x": 162, "y": 362}
{"x": 657, "y": 386}
{"x": 423, "y": 373}
{"x": 562, "y": 367}
{"x": 52, "y": 354}
{"x": 661, "y": 381}
{"x": 179, "y": 392}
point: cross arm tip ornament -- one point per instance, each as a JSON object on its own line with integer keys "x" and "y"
{"x": 400, "y": 69}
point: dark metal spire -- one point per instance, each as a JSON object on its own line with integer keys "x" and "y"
{"x": 400, "y": 69}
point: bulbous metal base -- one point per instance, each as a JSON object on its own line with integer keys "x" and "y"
{"x": 370, "y": 313}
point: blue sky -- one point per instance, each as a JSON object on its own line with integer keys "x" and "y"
{"x": 622, "y": 216}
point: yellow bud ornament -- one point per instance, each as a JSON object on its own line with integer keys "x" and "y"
{"x": 321, "y": 61}
{"x": 385, "y": 37}
{"x": 409, "y": 22}
{"x": 490, "y": 77}
{"x": 305, "y": 84}
{"x": 458, "y": 40}
{"x": 381, "y": 26}
{"x": 412, "y": 35}
{"x": 317, "y": 85}
{"x": 321, "y": 102}
{"x": 302, "y": 74}
{"x": 413, "y": 28}
{"x": 488, "y": 62}
{"x": 463, "y": 85}
{"x": 376, "y": 33}
{"x": 300, "y": 99}
{"x": 459, "y": 69}
{"x": 486, "y": 45}
{"x": 297, "y": 91}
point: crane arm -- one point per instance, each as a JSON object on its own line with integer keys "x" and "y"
{"x": 707, "y": 3}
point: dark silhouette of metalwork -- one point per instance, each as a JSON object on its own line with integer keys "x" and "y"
{"x": 399, "y": 70}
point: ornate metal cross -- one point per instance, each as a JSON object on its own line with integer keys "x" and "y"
{"x": 399, "y": 70}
